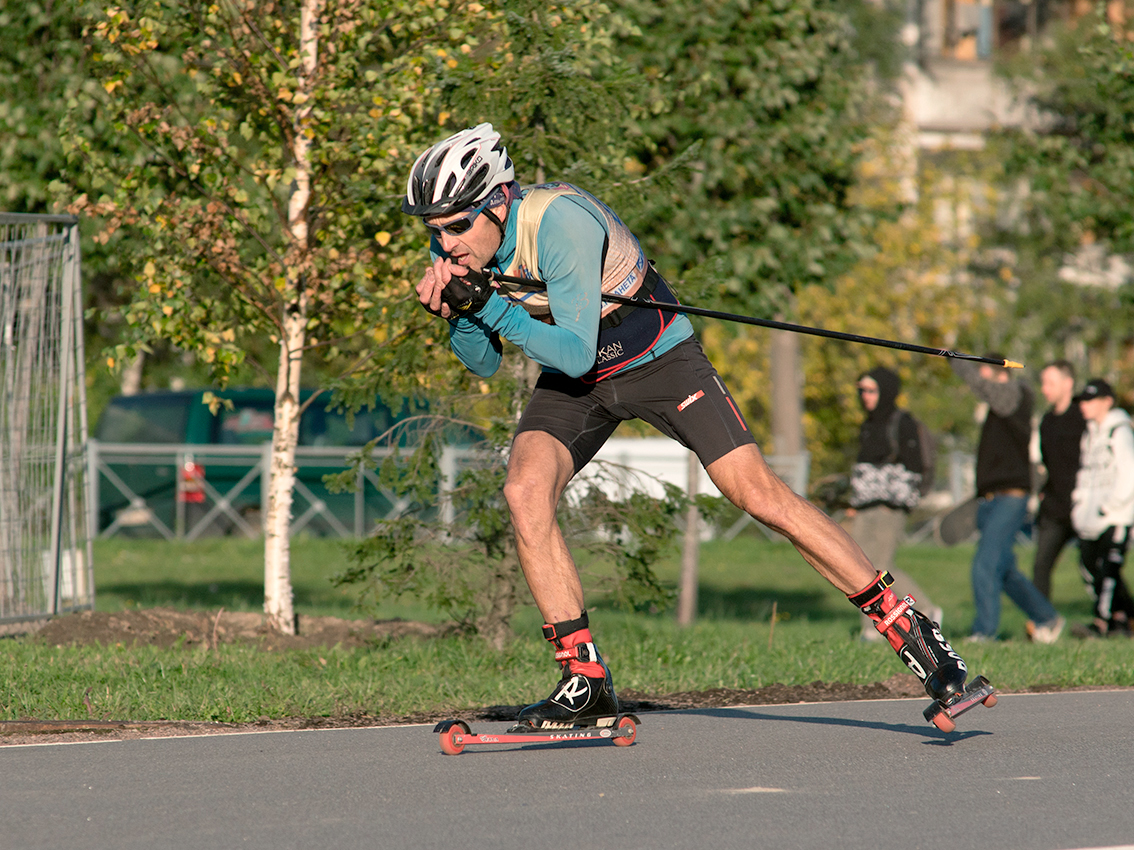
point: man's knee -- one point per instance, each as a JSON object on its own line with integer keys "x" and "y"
{"x": 531, "y": 494}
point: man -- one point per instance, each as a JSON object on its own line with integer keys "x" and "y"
{"x": 1060, "y": 431}
{"x": 1003, "y": 480}
{"x": 885, "y": 482}
{"x": 1103, "y": 508}
{"x": 602, "y": 365}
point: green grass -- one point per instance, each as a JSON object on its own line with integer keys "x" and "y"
{"x": 226, "y": 573}
{"x": 733, "y": 644}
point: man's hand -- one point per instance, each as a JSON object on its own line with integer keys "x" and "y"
{"x": 449, "y": 290}
{"x": 468, "y": 293}
{"x": 430, "y": 286}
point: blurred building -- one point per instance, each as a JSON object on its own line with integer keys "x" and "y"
{"x": 952, "y": 93}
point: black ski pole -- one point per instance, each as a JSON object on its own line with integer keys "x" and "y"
{"x": 770, "y": 323}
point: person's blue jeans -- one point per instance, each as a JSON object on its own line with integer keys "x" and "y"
{"x": 994, "y": 571}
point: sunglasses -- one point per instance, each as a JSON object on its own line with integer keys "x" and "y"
{"x": 458, "y": 226}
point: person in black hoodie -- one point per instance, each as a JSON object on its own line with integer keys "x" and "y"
{"x": 885, "y": 483}
{"x": 1003, "y": 481}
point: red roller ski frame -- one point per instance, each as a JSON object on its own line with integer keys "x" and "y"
{"x": 942, "y": 713}
{"x": 455, "y": 735}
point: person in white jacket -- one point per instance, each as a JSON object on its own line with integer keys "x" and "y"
{"x": 1102, "y": 508}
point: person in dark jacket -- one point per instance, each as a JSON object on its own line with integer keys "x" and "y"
{"x": 1003, "y": 481}
{"x": 885, "y": 483}
{"x": 1060, "y": 431}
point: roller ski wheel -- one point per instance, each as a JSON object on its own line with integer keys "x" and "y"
{"x": 455, "y": 735}
{"x": 943, "y": 713}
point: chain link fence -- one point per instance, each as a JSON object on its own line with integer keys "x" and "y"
{"x": 45, "y": 547}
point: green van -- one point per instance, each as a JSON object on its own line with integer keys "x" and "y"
{"x": 147, "y": 487}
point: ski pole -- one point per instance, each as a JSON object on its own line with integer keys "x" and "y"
{"x": 770, "y": 323}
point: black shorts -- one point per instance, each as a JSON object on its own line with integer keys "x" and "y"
{"x": 679, "y": 393}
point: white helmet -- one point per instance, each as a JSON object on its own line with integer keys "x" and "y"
{"x": 454, "y": 174}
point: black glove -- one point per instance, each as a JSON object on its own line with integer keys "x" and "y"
{"x": 467, "y": 295}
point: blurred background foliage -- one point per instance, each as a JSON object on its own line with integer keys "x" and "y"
{"x": 756, "y": 148}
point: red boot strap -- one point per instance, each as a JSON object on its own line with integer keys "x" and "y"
{"x": 873, "y": 590}
{"x": 558, "y": 631}
{"x": 902, "y": 606}
{"x": 581, "y": 652}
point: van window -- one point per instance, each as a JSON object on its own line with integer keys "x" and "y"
{"x": 144, "y": 419}
{"x": 247, "y": 424}
{"x": 321, "y": 427}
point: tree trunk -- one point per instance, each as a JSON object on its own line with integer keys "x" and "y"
{"x": 278, "y": 597}
{"x": 131, "y": 383}
{"x": 687, "y": 598}
{"x": 787, "y": 405}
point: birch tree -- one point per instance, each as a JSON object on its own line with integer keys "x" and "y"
{"x": 262, "y": 197}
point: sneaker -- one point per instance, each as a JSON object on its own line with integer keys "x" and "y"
{"x": 1087, "y": 632}
{"x": 1047, "y": 633}
{"x": 977, "y": 637}
{"x": 577, "y": 700}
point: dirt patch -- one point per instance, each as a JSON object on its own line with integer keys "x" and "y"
{"x": 166, "y": 627}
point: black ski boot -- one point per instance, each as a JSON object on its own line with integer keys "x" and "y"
{"x": 917, "y": 639}
{"x": 920, "y": 644}
{"x": 581, "y": 698}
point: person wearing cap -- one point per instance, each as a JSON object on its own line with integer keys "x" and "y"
{"x": 1060, "y": 432}
{"x": 1102, "y": 508}
{"x": 1003, "y": 481}
{"x": 603, "y": 364}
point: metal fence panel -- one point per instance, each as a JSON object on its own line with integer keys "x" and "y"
{"x": 45, "y": 550}
{"x": 192, "y": 490}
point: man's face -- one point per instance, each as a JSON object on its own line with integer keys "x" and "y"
{"x": 868, "y": 392}
{"x": 1096, "y": 409}
{"x": 1056, "y": 386}
{"x": 474, "y": 248}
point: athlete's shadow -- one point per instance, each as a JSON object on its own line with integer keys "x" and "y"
{"x": 937, "y": 738}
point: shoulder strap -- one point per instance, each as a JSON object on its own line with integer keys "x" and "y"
{"x": 530, "y": 213}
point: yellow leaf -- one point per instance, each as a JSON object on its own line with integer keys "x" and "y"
{"x": 442, "y": 117}
{"x": 110, "y": 362}
{"x": 154, "y": 288}
{"x": 382, "y": 238}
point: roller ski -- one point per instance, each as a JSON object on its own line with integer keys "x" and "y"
{"x": 924, "y": 650}
{"x": 583, "y": 705}
{"x": 620, "y": 730}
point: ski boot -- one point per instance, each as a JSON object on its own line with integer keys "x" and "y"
{"x": 585, "y": 693}
{"x": 921, "y": 646}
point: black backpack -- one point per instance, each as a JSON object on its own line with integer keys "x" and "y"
{"x": 926, "y": 444}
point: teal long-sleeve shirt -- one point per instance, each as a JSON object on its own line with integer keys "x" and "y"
{"x": 572, "y": 242}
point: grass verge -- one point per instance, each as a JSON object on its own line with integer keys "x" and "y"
{"x": 734, "y": 644}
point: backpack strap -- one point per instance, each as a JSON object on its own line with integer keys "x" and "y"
{"x": 892, "y": 427}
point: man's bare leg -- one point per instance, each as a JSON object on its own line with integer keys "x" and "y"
{"x": 539, "y": 469}
{"x": 744, "y": 477}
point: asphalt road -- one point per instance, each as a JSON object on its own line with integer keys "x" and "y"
{"x": 1042, "y": 772}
